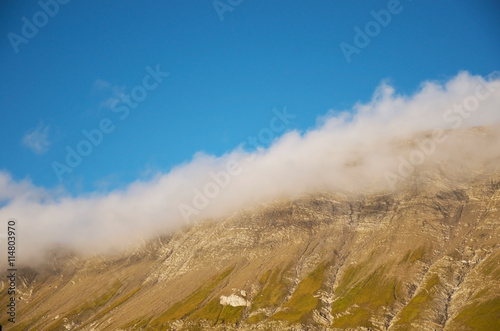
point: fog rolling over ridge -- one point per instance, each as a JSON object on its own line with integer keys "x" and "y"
{"x": 448, "y": 128}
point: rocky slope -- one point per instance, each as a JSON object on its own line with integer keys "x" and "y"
{"x": 424, "y": 258}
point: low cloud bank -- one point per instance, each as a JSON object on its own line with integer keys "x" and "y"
{"x": 373, "y": 146}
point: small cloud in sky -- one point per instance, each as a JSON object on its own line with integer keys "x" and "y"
{"x": 101, "y": 85}
{"x": 111, "y": 102}
{"x": 109, "y": 93}
{"x": 37, "y": 139}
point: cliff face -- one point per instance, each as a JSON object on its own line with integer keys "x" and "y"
{"x": 426, "y": 258}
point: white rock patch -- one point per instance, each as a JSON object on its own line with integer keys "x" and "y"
{"x": 233, "y": 300}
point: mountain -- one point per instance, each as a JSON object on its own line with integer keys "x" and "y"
{"x": 425, "y": 256}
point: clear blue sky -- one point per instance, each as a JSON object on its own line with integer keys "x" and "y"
{"x": 225, "y": 77}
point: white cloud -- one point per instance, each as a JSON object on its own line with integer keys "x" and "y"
{"x": 105, "y": 96}
{"x": 101, "y": 85}
{"x": 111, "y": 94}
{"x": 350, "y": 152}
{"x": 37, "y": 139}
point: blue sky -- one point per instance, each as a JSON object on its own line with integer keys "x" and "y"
{"x": 225, "y": 76}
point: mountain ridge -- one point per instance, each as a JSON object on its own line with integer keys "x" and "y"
{"x": 418, "y": 258}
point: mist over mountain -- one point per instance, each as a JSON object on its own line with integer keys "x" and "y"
{"x": 374, "y": 147}
{"x": 423, "y": 257}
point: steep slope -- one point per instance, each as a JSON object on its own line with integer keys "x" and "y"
{"x": 426, "y": 257}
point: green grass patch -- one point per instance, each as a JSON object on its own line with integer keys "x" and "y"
{"x": 419, "y": 303}
{"x": 362, "y": 298}
{"x": 210, "y": 311}
{"x": 230, "y": 314}
{"x": 120, "y": 301}
{"x": 217, "y": 313}
{"x": 491, "y": 267}
{"x": 303, "y": 301}
{"x": 265, "y": 277}
{"x": 192, "y": 303}
{"x": 480, "y": 294}
{"x": 352, "y": 275}
{"x": 484, "y": 316}
{"x": 413, "y": 256}
{"x": 357, "y": 317}
{"x": 274, "y": 290}
{"x": 257, "y": 318}
{"x": 85, "y": 311}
